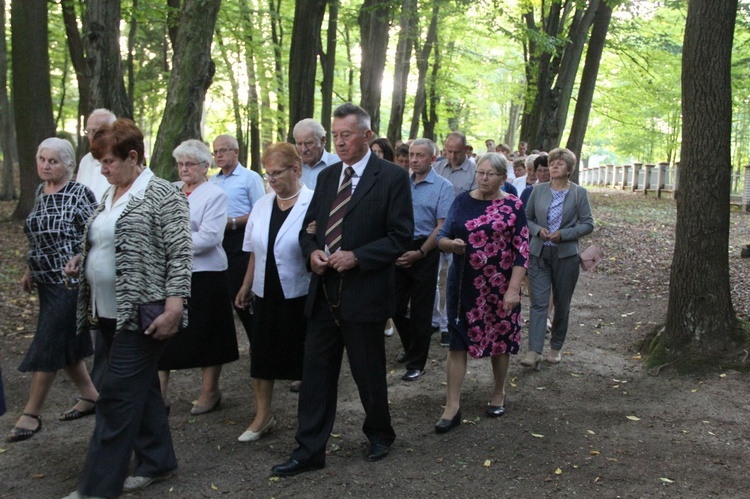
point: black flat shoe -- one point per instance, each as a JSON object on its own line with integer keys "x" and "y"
{"x": 18, "y": 434}
{"x": 495, "y": 411}
{"x": 293, "y": 467}
{"x": 376, "y": 452}
{"x": 445, "y": 425}
{"x": 74, "y": 413}
{"x": 412, "y": 375}
{"x": 401, "y": 358}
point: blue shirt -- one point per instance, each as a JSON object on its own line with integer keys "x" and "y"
{"x": 310, "y": 173}
{"x": 432, "y": 198}
{"x": 462, "y": 178}
{"x": 243, "y": 188}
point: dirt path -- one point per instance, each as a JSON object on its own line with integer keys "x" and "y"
{"x": 597, "y": 425}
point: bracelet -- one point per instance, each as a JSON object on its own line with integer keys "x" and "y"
{"x": 422, "y": 252}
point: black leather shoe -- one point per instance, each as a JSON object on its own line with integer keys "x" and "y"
{"x": 412, "y": 375}
{"x": 293, "y": 467}
{"x": 495, "y": 411}
{"x": 401, "y": 358}
{"x": 376, "y": 452}
{"x": 445, "y": 425}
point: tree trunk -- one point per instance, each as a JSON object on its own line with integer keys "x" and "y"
{"x": 131, "y": 56}
{"x": 429, "y": 117}
{"x": 308, "y": 17}
{"x": 277, "y": 37}
{"x": 406, "y": 37}
{"x": 7, "y": 184}
{"x": 423, "y": 60}
{"x": 374, "y": 25}
{"x": 78, "y": 59}
{"x": 253, "y": 159}
{"x": 513, "y": 117}
{"x": 328, "y": 61}
{"x": 701, "y": 321}
{"x": 192, "y": 73}
{"x": 239, "y": 133}
{"x": 104, "y": 61}
{"x": 31, "y": 92}
{"x": 588, "y": 82}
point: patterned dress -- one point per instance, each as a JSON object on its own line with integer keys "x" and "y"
{"x": 497, "y": 239}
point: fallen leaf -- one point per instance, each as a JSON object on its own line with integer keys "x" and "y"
{"x": 636, "y": 357}
{"x": 273, "y": 479}
{"x": 541, "y": 387}
{"x": 487, "y": 463}
{"x": 693, "y": 390}
{"x": 336, "y": 435}
{"x": 558, "y": 471}
{"x": 214, "y": 487}
{"x": 590, "y": 432}
{"x": 666, "y": 480}
{"x": 537, "y": 435}
{"x": 594, "y": 453}
{"x": 37, "y": 475}
{"x": 3, "y": 450}
{"x": 723, "y": 375}
{"x": 634, "y": 418}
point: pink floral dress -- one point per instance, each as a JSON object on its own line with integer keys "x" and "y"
{"x": 497, "y": 239}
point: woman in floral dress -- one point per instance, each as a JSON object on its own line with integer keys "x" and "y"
{"x": 486, "y": 232}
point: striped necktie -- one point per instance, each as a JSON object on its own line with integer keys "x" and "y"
{"x": 338, "y": 209}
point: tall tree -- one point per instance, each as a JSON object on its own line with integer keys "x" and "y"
{"x": 104, "y": 60}
{"x": 7, "y": 142}
{"x": 78, "y": 59}
{"x": 588, "y": 82}
{"x": 701, "y": 320}
{"x": 406, "y": 36}
{"x": 308, "y": 17}
{"x": 192, "y": 73}
{"x": 328, "y": 61}
{"x": 423, "y": 61}
{"x": 277, "y": 35}
{"x": 32, "y": 101}
{"x": 374, "y": 26}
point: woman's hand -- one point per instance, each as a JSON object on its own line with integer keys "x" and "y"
{"x": 166, "y": 325}
{"x": 312, "y": 227}
{"x": 458, "y": 246}
{"x": 27, "y": 283}
{"x": 73, "y": 267}
{"x": 511, "y": 299}
{"x": 244, "y": 297}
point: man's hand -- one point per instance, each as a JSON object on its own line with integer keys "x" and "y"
{"x": 556, "y": 237}
{"x": 543, "y": 234}
{"x": 319, "y": 262}
{"x": 408, "y": 259}
{"x": 342, "y": 260}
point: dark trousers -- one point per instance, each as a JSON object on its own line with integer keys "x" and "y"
{"x": 416, "y": 285}
{"x": 99, "y": 367}
{"x": 237, "y": 266}
{"x": 130, "y": 416}
{"x": 324, "y": 347}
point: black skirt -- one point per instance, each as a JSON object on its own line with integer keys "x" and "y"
{"x": 210, "y": 338}
{"x": 56, "y": 344}
{"x": 278, "y": 338}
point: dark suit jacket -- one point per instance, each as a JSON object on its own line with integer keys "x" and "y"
{"x": 378, "y": 226}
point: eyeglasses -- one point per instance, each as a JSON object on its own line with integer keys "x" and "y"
{"x": 275, "y": 175}
{"x": 223, "y": 151}
{"x": 489, "y": 175}
{"x": 188, "y": 164}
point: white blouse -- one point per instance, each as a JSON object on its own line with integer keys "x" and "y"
{"x": 208, "y": 219}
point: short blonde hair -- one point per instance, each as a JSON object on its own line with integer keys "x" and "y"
{"x": 565, "y": 155}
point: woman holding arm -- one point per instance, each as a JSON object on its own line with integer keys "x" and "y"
{"x": 278, "y": 277}
{"x": 558, "y": 214}
{"x": 210, "y": 339}
{"x": 143, "y": 226}
{"x": 486, "y": 232}
{"x": 54, "y": 228}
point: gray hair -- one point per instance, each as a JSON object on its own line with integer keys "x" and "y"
{"x": 312, "y": 125}
{"x": 64, "y": 150}
{"x": 496, "y": 161}
{"x": 193, "y": 149}
{"x": 349, "y": 109}
{"x": 430, "y": 145}
{"x": 530, "y": 160}
{"x": 110, "y": 116}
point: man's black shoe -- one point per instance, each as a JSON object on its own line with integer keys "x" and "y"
{"x": 293, "y": 467}
{"x": 376, "y": 452}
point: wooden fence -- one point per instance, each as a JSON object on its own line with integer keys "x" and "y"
{"x": 657, "y": 179}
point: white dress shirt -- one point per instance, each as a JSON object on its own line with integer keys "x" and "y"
{"x": 90, "y": 175}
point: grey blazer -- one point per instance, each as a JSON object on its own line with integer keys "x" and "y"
{"x": 576, "y": 222}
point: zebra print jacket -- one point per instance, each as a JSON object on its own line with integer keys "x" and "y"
{"x": 153, "y": 255}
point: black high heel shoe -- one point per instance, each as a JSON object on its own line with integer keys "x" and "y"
{"x": 445, "y": 425}
{"x": 18, "y": 434}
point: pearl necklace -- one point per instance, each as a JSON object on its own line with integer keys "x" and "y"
{"x": 290, "y": 197}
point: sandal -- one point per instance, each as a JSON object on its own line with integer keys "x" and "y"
{"x": 18, "y": 434}
{"x": 74, "y": 413}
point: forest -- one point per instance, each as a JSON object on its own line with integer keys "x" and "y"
{"x": 547, "y": 72}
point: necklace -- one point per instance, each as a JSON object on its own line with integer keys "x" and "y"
{"x": 290, "y": 197}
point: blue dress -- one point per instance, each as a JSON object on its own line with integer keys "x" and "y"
{"x": 497, "y": 239}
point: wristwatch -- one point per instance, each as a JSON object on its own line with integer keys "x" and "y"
{"x": 234, "y": 224}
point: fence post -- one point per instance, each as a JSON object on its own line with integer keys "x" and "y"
{"x": 647, "y": 178}
{"x": 625, "y": 169}
{"x": 676, "y": 181}
{"x": 636, "y": 174}
{"x": 660, "y": 177}
{"x": 746, "y": 193}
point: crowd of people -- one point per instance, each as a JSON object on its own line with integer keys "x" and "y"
{"x": 144, "y": 274}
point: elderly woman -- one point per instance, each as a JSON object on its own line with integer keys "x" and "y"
{"x": 135, "y": 271}
{"x": 278, "y": 277}
{"x": 487, "y": 234}
{"x": 210, "y": 339}
{"x": 54, "y": 229}
{"x": 558, "y": 214}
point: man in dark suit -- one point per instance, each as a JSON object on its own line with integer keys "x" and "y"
{"x": 351, "y": 292}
